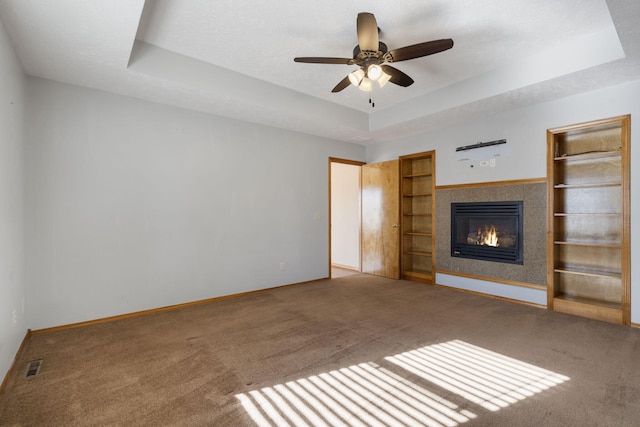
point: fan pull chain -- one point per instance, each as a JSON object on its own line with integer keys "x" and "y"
{"x": 371, "y": 101}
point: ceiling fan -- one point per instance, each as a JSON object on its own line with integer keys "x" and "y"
{"x": 372, "y": 55}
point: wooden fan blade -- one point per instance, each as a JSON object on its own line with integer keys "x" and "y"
{"x": 397, "y": 76}
{"x": 320, "y": 60}
{"x": 367, "y": 31}
{"x": 343, "y": 84}
{"x": 418, "y": 50}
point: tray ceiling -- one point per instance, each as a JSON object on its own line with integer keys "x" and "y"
{"x": 235, "y": 58}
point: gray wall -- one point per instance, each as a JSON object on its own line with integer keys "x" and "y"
{"x": 13, "y": 325}
{"x": 524, "y": 157}
{"x": 133, "y": 205}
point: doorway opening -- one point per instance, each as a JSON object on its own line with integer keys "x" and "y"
{"x": 345, "y": 217}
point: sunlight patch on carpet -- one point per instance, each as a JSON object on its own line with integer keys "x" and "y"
{"x": 483, "y": 377}
{"x": 371, "y": 395}
{"x": 360, "y": 395}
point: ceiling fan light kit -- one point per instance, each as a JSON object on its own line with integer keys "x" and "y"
{"x": 372, "y": 56}
{"x": 374, "y": 71}
{"x": 366, "y": 85}
{"x": 356, "y": 77}
{"x": 384, "y": 78}
{"x": 363, "y": 81}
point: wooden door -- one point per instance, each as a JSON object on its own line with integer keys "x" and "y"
{"x": 380, "y": 219}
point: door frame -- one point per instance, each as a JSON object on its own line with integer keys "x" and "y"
{"x": 347, "y": 162}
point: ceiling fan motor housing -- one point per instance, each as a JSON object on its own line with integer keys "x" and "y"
{"x": 382, "y": 49}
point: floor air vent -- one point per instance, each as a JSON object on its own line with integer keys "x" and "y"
{"x": 33, "y": 368}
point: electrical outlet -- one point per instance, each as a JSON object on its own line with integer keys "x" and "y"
{"x": 492, "y": 163}
{"x": 282, "y": 266}
{"x": 317, "y": 216}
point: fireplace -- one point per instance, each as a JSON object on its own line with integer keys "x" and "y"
{"x": 489, "y": 231}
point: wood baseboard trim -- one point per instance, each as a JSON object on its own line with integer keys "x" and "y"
{"x": 163, "y": 309}
{"x": 493, "y": 279}
{"x": 517, "y": 301}
{"x": 5, "y": 381}
{"x": 493, "y": 184}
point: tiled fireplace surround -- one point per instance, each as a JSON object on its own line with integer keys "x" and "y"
{"x": 534, "y": 197}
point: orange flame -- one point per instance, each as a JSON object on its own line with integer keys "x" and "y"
{"x": 489, "y": 236}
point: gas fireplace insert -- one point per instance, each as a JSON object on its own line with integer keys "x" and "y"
{"x": 489, "y": 231}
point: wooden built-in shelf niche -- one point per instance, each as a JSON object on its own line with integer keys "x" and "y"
{"x": 589, "y": 220}
{"x": 417, "y": 174}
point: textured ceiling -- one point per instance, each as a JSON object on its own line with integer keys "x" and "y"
{"x": 235, "y": 58}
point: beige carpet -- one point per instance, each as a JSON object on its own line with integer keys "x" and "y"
{"x": 358, "y": 350}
